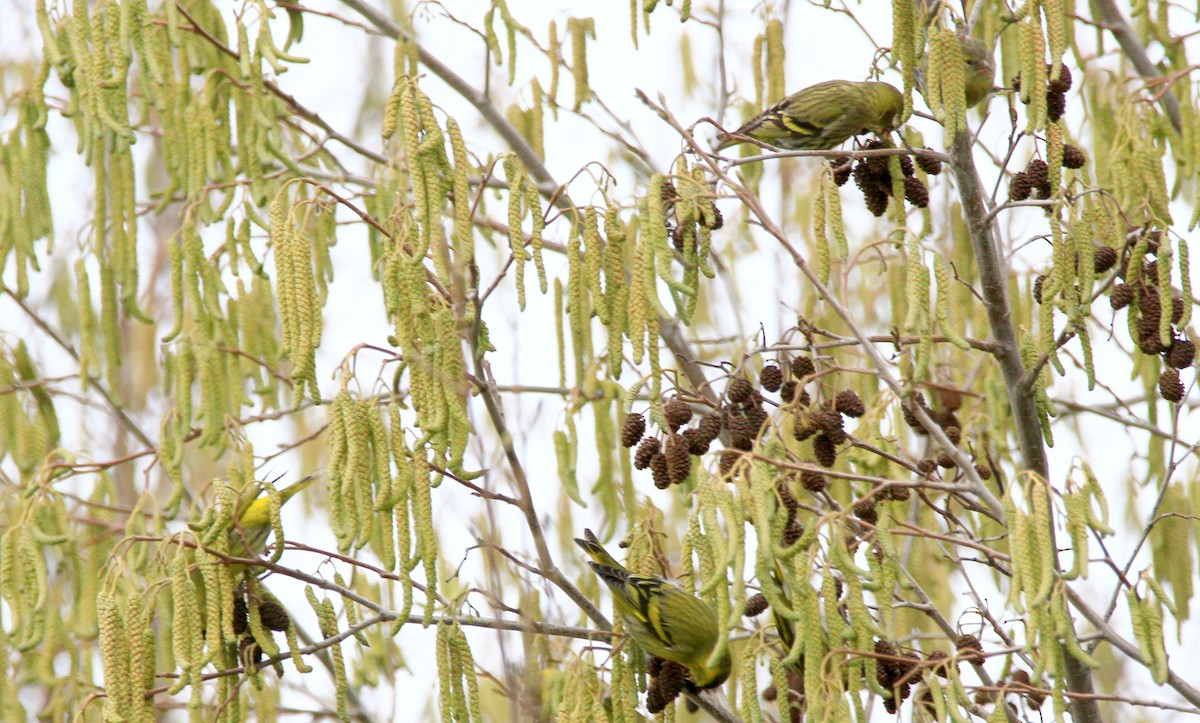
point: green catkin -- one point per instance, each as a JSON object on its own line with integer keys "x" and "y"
{"x": 537, "y": 119}
{"x": 1185, "y": 281}
{"x": 1056, "y": 33}
{"x": 1041, "y": 532}
{"x": 463, "y": 651}
{"x": 110, "y": 333}
{"x": 114, "y": 648}
{"x": 1165, "y": 259}
{"x": 538, "y": 225}
{"x": 749, "y": 683}
{"x": 1159, "y": 669}
{"x": 559, "y": 332}
{"x": 942, "y": 276}
{"x": 1066, "y": 631}
{"x": 918, "y": 317}
{"x": 1139, "y": 623}
{"x": 820, "y": 239}
{"x": 1021, "y": 574}
{"x": 776, "y": 84}
{"x": 1075, "y": 504}
{"x": 593, "y": 257}
{"x": 463, "y": 236}
{"x": 565, "y": 452}
{"x": 445, "y": 674}
{"x": 952, "y": 79}
{"x": 616, "y": 293}
{"x": 580, "y": 29}
{"x": 554, "y": 51}
{"x": 904, "y": 44}
{"x": 299, "y": 309}
{"x": 1033, "y": 71}
{"x": 579, "y": 308}
{"x": 516, "y": 239}
{"x": 426, "y": 535}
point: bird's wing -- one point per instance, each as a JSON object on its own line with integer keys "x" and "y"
{"x": 635, "y": 594}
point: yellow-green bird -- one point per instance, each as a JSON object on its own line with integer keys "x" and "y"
{"x": 980, "y": 72}
{"x": 981, "y": 69}
{"x": 664, "y": 619}
{"x": 248, "y": 537}
{"x": 823, "y": 116}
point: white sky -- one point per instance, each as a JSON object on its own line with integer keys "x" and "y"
{"x": 820, "y": 45}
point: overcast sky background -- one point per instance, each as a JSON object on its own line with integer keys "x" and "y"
{"x": 344, "y": 67}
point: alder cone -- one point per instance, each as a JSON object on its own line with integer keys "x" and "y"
{"x": 1170, "y": 387}
{"x": 677, "y": 412}
{"x": 969, "y": 649}
{"x": 813, "y": 481}
{"x": 1181, "y": 354}
{"x": 802, "y": 367}
{"x": 848, "y": 402}
{"x": 273, "y": 616}
{"x": 649, "y": 447}
{"x": 1122, "y": 295}
{"x": 660, "y": 471}
{"x": 710, "y": 426}
{"x": 739, "y": 391}
{"x": 679, "y": 460}
{"x": 696, "y": 441}
{"x": 771, "y": 378}
{"x": 824, "y": 450}
{"x": 633, "y": 429}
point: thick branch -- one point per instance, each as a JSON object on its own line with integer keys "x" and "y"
{"x": 1136, "y": 52}
{"x": 993, "y": 281}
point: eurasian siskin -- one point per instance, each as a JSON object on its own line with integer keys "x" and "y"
{"x": 664, "y": 619}
{"x": 823, "y": 116}
{"x": 980, "y": 71}
{"x": 248, "y": 538}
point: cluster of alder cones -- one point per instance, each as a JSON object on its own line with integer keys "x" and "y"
{"x": 873, "y": 178}
{"x": 897, "y": 670}
{"x": 1056, "y": 92}
{"x": 1034, "y": 181}
{"x": 669, "y": 459}
{"x": 667, "y": 680}
{"x": 273, "y": 616}
{"x": 741, "y": 417}
{"x": 1139, "y": 291}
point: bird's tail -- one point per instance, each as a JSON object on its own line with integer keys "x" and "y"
{"x": 596, "y": 551}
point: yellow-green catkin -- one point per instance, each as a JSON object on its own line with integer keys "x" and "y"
{"x": 1033, "y": 71}
{"x": 951, "y": 79}
{"x": 616, "y": 292}
{"x": 580, "y": 29}
{"x": 918, "y": 320}
{"x": 579, "y": 303}
{"x": 775, "y": 62}
{"x": 820, "y": 238}
{"x": 904, "y": 45}
{"x": 299, "y": 309}
{"x": 1055, "y": 12}
{"x": 945, "y": 325}
{"x": 114, "y": 656}
{"x": 327, "y": 623}
{"x": 1185, "y": 281}
{"x": 516, "y": 239}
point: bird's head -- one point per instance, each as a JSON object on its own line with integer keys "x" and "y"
{"x": 707, "y": 676}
